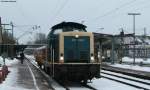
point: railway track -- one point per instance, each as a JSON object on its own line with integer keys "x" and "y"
{"x": 57, "y": 85}
{"x": 128, "y": 80}
{"x": 52, "y": 83}
{"x": 129, "y": 72}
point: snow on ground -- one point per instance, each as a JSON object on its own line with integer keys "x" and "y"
{"x": 8, "y": 62}
{"x": 101, "y": 84}
{"x": 105, "y": 84}
{"x": 137, "y": 60}
{"x": 10, "y": 82}
{"x": 134, "y": 67}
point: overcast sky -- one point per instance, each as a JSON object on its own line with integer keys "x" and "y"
{"x": 108, "y": 14}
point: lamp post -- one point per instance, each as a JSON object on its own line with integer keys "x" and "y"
{"x": 134, "y": 14}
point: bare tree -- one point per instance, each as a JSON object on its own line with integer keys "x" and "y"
{"x": 7, "y": 38}
{"x": 40, "y": 38}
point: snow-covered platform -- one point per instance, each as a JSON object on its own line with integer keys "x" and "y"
{"x": 23, "y": 77}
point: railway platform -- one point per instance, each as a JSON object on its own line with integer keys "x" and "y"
{"x": 24, "y": 77}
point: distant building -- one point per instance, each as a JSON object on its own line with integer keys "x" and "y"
{"x": 142, "y": 47}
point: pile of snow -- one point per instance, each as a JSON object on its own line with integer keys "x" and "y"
{"x": 8, "y": 61}
{"x": 105, "y": 84}
{"x": 133, "y": 67}
{"x": 147, "y": 40}
{"x": 137, "y": 60}
{"x": 1, "y": 60}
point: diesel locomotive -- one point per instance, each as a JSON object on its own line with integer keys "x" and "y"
{"x": 69, "y": 54}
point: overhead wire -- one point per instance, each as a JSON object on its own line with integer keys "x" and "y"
{"x": 114, "y": 10}
{"x": 55, "y": 8}
{"x": 25, "y": 18}
{"x": 140, "y": 8}
{"x": 59, "y": 10}
{"x": 24, "y": 15}
{"x": 143, "y": 2}
{"x": 143, "y": 7}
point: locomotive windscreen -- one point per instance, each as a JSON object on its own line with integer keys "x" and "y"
{"x": 77, "y": 49}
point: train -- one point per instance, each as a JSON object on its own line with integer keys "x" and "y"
{"x": 69, "y": 54}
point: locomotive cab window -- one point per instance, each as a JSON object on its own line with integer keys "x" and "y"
{"x": 77, "y": 49}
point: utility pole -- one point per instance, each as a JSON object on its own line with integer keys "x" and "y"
{"x": 122, "y": 45}
{"x": 144, "y": 32}
{"x": 145, "y": 50}
{"x": 134, "y": 14}
{"x": 1, "y": 35}
{"x": 6, "y": 29}
{"x": 5, "y": 1}
{"x": 11, "y": 24}
{"x": 113, "y": 50}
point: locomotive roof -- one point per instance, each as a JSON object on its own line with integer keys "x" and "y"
{"x": 69, "y": 24}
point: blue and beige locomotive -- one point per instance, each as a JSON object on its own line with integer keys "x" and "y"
{"x": 70, "y": 53}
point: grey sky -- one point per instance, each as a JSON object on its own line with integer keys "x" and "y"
{"x": 109, "y": 14}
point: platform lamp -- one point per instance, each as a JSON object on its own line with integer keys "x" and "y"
{"x": 134, "y": 14}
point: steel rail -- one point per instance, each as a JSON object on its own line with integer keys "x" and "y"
{"x": 126, "y": 78}
{"x": 48, "y": 79}
{"x": 139, "y": 87}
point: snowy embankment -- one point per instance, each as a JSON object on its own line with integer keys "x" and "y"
{"x": 10, "y": 82}
{"x": 8, "y": 62}
{"x": 137, "y": 60}
{"x": 105, "y": 84}
{"x": 134, "y": 67}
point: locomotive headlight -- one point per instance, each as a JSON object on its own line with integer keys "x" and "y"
{"x": 61, "y": 58}
{"x": 92, "y": 58}
{"x": 77, "y": 36}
